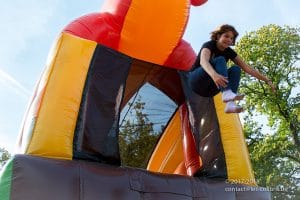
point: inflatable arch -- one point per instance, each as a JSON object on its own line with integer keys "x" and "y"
{"x": 68, "y": 146}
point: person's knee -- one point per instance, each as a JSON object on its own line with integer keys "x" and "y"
{"x": 235, "y": 69}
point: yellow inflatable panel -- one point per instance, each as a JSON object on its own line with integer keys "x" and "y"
{"x": 168, "y": 154}
{"x": 53, "y": 132}
{"x": 153, "y": 28}
{"x": 238, "y": 163}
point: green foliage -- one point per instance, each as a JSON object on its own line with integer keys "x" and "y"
{"x": 4, "y": 156}
{"x": 274, "y": 51}
{"x": 137, "y": 138}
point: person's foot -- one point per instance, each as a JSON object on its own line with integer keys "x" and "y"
{"x": 228, "y": 95}
{"x": 231, "y": 107}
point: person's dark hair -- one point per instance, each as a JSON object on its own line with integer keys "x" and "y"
{"x": 223, "y": 29}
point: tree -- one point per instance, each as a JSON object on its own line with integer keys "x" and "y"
{"x": 275, "y": 155}
{"x": 4, "y": 156}
{"x": 137, "y": 137}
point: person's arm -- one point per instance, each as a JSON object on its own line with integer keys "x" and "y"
{"x": 249, "y": 70}
{"x": 219, "y": 80}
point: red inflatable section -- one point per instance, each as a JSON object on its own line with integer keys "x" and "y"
{"x": 193, "y": 162}
{"x": 198, "y": 2}
{"x": 99, "y": 27}
{"x": 182, "y": 57}
{"x": 104, "y": 27}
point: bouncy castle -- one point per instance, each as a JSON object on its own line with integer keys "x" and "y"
{"x": 68, "y": 147}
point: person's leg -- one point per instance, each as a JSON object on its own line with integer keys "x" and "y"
{"x": 233, "y": 74}
{"x": 201, "y": 83}
{"x": 229, "y": 92}
{"x": 234, "y": 77}
{"x": 220, "y": 65}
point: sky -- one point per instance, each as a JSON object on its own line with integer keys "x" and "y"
{"x": 29, "y": 28}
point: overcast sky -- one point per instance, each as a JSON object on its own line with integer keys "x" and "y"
{"x": 28, "y": 29}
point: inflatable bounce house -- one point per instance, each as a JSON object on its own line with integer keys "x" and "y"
{"x": 68, "y": 145}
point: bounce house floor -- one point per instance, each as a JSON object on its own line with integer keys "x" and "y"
{"x": 38, "y": 178}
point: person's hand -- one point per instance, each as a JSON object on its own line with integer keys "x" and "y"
{"x": 269, "y": 82}
{"x": 220, "y": 80}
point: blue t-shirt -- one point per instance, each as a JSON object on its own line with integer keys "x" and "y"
{"x": 228, "y": 53}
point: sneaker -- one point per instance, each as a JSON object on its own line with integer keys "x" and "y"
{"x": 231, "y": 107}
{"x": 228, "y": 95}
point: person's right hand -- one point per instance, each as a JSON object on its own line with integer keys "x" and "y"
{"x": 220, "y": 80}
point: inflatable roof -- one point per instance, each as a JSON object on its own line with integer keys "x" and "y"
{"x": 69, "y": 147}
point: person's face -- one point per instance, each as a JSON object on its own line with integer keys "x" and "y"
{"x": 225, "y": 40}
